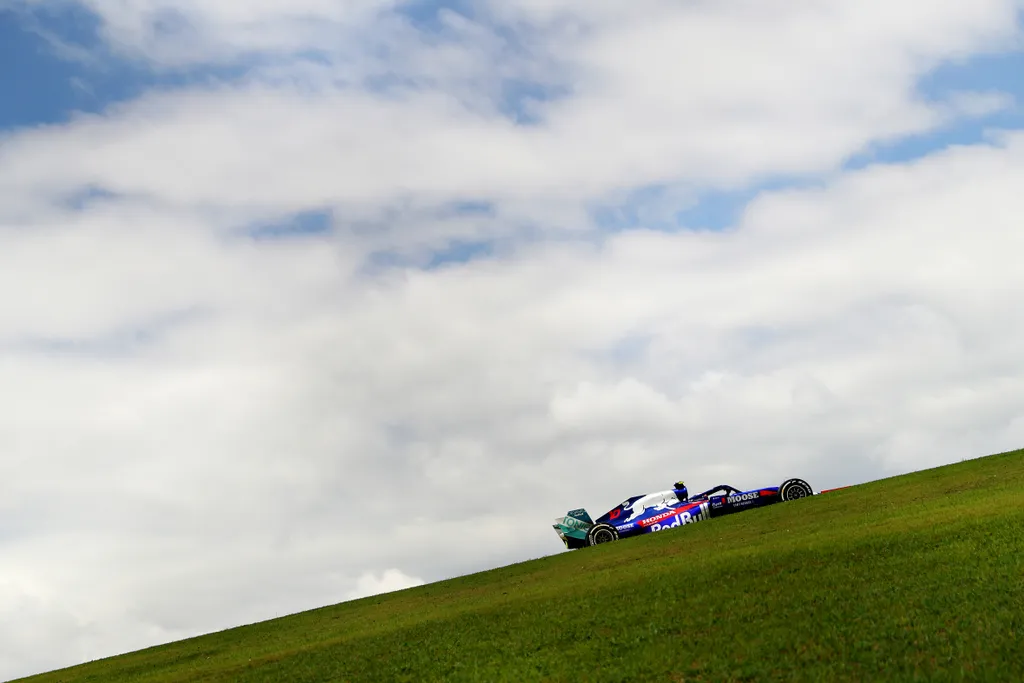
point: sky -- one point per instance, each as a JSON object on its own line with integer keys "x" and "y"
{"x": 306, "y": 300}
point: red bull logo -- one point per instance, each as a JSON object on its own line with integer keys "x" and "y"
{"x": 674, "y": 518}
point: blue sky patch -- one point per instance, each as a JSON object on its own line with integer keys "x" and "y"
{"x": 454, "y": 253}
{"x": 37, "y": 85}
{"x": 90, "y": 195}
{"x": 985, "y": 73}
{"x": 522, "y": 101}
{"x": 116, "y": 343}
{"x": 518, "y": 99}
{"x": 712, "y": 210}
{"x": 460, "y": 251}
{"x": 472, "y": 208}
{"x": 426, "y": 15}
{"x": 53, "y": 64}
{"x": 301, "y": 224}
{"x": 990, "y": 74}
{"x": 919, "y": 146}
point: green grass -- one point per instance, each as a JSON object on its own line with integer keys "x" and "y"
{"x": 918, "y": 577}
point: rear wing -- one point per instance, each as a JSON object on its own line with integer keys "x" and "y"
{"x": 573, "y": 528}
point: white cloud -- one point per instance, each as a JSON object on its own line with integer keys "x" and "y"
{"x": 175, "y": 32}
{"x": 977, "y": 104}
{"x": 220, "y": 430}
{"x": 778, "y": 99}
{"x": 388, "y": 581}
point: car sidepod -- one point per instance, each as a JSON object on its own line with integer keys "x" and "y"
{"x": 686, "y": 512}
{"x": 652, "y": 512}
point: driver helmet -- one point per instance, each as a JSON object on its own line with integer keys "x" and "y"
{"x": 681, "y": 486}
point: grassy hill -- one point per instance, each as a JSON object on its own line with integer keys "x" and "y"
{"x": 918, "y": 577}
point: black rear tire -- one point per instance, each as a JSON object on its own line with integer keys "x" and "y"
{"x": 794, "y": 489}
{"x": 602, "y": 533}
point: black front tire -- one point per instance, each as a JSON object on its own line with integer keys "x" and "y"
{"x": 602, "y": 533}
{"x": 794, "y": 489}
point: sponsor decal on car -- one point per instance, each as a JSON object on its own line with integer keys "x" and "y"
{"x": 573, "y": 523}
{"x": 743, "y": 497}
{"x": 657, "y": 518}
{"x": 625, "y": 527}
{"x": 681, "y": 518}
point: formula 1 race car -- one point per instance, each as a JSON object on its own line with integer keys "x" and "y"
{"x": 646, "y": 514}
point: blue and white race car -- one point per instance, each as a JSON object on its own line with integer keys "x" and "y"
{"x": 652, "y": 512}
